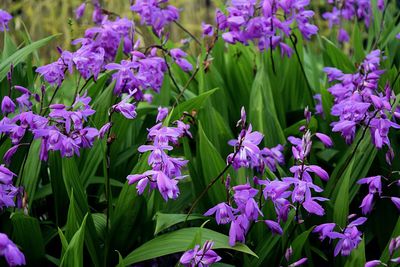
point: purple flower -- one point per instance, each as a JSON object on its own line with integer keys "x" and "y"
{"x": 326, "y": 140}
{"x": 179, "y": 57}
{"x": 6, "y": 176}
{"x": 7, "y": 105}
{"x": 269, "y": 28}
{"x": 80, "y": 11}
{"x": 10, "y": 251}
{"x": 298, "y": 263}
{"x": 200, "y": 257}
{"x": 349, "y": 11}
{"x": 153, "y": 13}
{"x": 324, "y": 230}
{"x": 359, "y": 102}
{"x": 373, "y": 263}
{"x": 238, "y": 230}
{"x": 223, "y": 213}
{"x": 162, "y": 114}
{"x": 208, "y": 30}
{"x": 274, "y": 227}
{"x": 5, "y": 17}
{"x": 396, "y": 202}
{"x": 343, "y": 36}
{"x": 249, "y": 151}
{"x": 128, "y": 110}
{"x": 349, "y": 238}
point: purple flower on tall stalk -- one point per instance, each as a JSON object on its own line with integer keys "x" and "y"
{"x": 249, "y": 154}
{"x": 203, "y": 257}
{"x": 350, "y": 10}
{"x": 166, "y": 170}
{"x": 359, "y": 101}
{"x": 10, "y": 251}
{"x": 349, "y": 238}
{"x": 267, "y": 26}
{"x": 156, "y": 14}
{"x": 5, "y": 17}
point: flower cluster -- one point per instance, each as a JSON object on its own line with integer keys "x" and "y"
{"x": 202, "y": 257}
{"x": 166, "y": 171}
{"x": 247, "y": 152}
{"x": 63, "y": 129}
{"x": 98, "y": 46}
{"x": 267, "y": 23}
{"x": 5, "y": 17}
{"x": 8, "y": 192}
{"x": 350, "y": 10}
{"x": 156, "y": 13}
{"x": 349, "y": 238}
{"x": 10, "y": 251}
{"x": 360, "y": 101}
{"x": 141, "y": 72}
{"x": 247, "y": 210}
{"x": 284, "y": 193}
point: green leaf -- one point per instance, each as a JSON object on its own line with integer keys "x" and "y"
{"x": 212, "y": 165}
{"x": 192, "y": 104}
{"x": 27, "y": 234}
{"x": 396, "y": 232}
{"x": 299, "y": 244}
{"x": 164, "y": 221}
{"x": 357, "y": 256}
{"x": 178, "y": 241}
{"x": 20, "y": 55}
{"x": 73, "y": 184}
{"x": 342, "y": 202}
{"x": 337, "y": 58}
{"x": 262, "y": 111}
{"x": 30, "y": 174}
{"x": 73, "y": 256}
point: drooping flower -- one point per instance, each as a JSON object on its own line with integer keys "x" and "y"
{"x": 166, "y": 170}
{"x": 154, "y": 14}
{"x": 10, "y": 251}
{"x": 5, "y": 17}
{"x": 200, "y": 257}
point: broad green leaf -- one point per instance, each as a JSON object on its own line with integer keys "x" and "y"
{"x": 337, "y": 58}
{"x": 177, "y": 242}
{"x": 73, "y": 222}
{"x": 30, "y": 174}
{"x": 299, "y": 244}
{"x": 164, "y": 221}
{"x": 27, "y": 234}
{"x": 212, "y": 165}
{"x": 342, "y": 202}
{"x": 21, "y": 54}
{"x": 192, "y": 104}
{"x": 262, "y": 113}
{"x": 73, "y": 184}
{"x": 73, "y": 256}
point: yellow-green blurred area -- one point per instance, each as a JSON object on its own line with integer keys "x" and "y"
{"x": 46, "y": 17}
{"x": 41, "y": 18}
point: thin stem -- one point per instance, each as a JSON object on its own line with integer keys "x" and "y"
{"x": 188, "y": 32}
{"x": 170, "y": 72}
{"x": 214, "y": 181}
{"x": 293, "y": 40}
{"x": 85, "y": 84}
